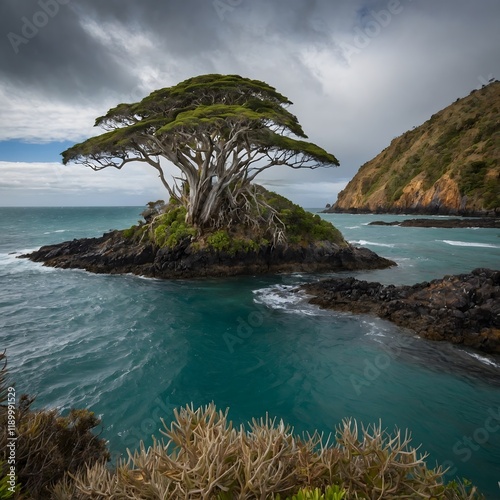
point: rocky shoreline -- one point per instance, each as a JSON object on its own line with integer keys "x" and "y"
{"x": 425, "y": 211}
{"x": 462, "y": 309}
{"x": 491, "y": 223}
{"x": 114, "y": 254}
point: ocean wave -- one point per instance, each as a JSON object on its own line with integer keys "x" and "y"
{"x": 483, "y": 359}
{"x": 352, "y": 227}
{"x": 11, "y": 264}
{"x": 375, "y": 333}
{"x": 372, "y": 243}
{"x": 12, "y": 257}
{"x": 56, "y": 231}
{"x": 286, "y": 298}
{"x": 468, "y": 244}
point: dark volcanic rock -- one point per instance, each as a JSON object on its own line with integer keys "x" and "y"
{"x": 463, "y": 309}
{"x": 114, "y": 254}
{"x": 445, "y": 223}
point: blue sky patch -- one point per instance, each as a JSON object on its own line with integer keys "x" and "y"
{"x": 21, "y": 151}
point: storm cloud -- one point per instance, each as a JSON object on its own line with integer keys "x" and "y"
{"x": 359, "y": 72}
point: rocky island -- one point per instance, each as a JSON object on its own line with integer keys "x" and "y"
{"x": 219, "y": 132}
{"x": 462, "y": 309}
{"x": 163, "y": 246}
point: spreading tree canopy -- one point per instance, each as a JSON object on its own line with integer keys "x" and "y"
{"x": 220, "y": 131}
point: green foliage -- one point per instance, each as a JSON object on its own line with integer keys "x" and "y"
{"x": 130, "y": 232}
{"x": 476, "y": 181}
{"x": 153, "y": 209}
{"x": 366, "y": 185}
{"x": 492, "y": 193}
{"x": 449, "y": 138}
{"x": 206, "y": 101}
{"x": 170, "y": 228}
{"x": 302, "y": 226}
{"x": 487, "y": 130}
{"x": 5, "y": 488}
{"x": 472, "y": 177}
{"x": 460, "y": 489}
{"x": 219, "y": 241}
{"x": 222, "y": 241}
{"x": 330, "y": 493}
{"x": 299, "y": 225}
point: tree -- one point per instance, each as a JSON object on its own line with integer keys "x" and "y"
{"x": 220, "y": 131}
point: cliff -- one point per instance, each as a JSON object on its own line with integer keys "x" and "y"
{"x": 448, "y": 165}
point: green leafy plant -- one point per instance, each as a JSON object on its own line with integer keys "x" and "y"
{"x": 170, "y": 228}
{"x": 219, "y": 241}
{"x": 5, "y": 488}
{"x": 330, "y": 493}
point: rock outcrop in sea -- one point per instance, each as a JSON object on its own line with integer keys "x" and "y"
{"x": 114, "y": 254}
{"x": 462, "y": 309}
{"x": 485, "y": 222}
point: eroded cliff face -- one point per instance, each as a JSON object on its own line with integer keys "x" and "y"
{"x": 444, "y": 194}
{"x": 448, "y": 165}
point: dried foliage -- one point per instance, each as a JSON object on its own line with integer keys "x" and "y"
{"x": 205, "y": 457}
{"x": 48, "y": 445}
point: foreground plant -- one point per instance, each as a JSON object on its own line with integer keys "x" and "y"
{"x": 205, "y": 457}
{"x": 48, "y": 446}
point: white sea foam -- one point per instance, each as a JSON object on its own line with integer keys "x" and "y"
{"x": 372, "y": 243}
{"x": 56, "y": 231}
{"x": 483, "y": 359}
{"x": 469, "y": 244}
{"x": 286, "y": 298}
{"x": 12, "y": 257}
{"x": 376, "y": 333}
{"x": 11, "y": 264}
{"x": 375, "y": 329}
{"x": 352, "y": 227}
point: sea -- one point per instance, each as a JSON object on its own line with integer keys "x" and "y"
{"x": 133, "y": 349}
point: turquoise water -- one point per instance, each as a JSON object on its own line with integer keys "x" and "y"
{"x": 133, "y": 349}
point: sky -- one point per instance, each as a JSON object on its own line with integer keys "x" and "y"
{"x": 359, "y": 72}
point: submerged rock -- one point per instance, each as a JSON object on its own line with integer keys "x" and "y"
{"x": 462, "y": 309}
{"x": 490, "y": 222}
{"x": 114, "y": 254}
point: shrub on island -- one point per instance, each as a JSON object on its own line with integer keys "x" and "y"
{"x": 284, "y": 224}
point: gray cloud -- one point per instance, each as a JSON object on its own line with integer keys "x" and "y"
{"x": 359, "y": 72}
